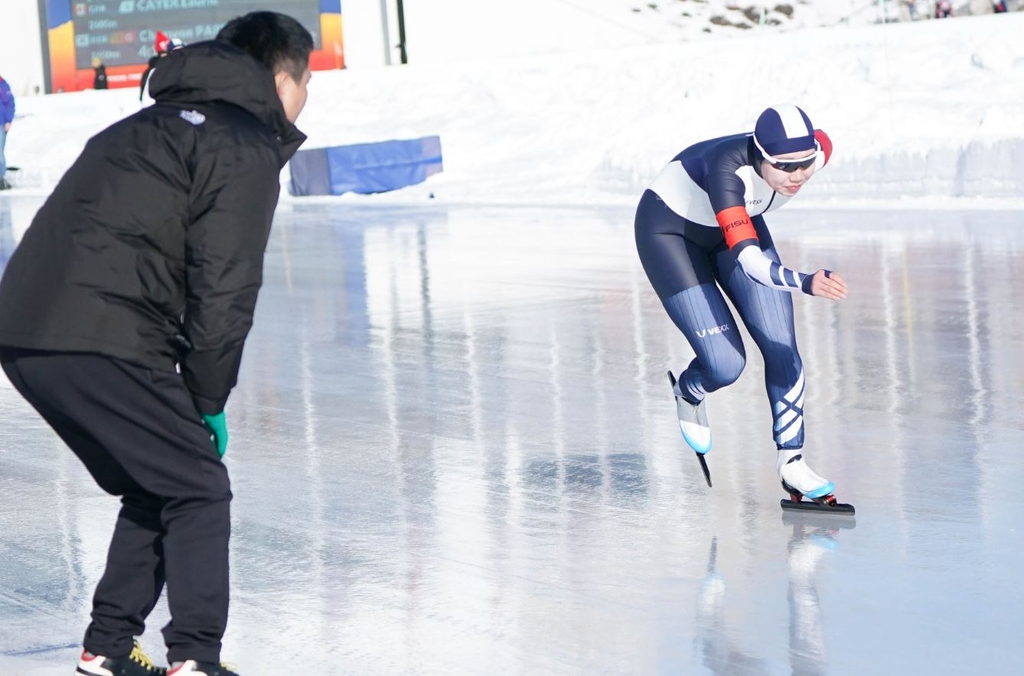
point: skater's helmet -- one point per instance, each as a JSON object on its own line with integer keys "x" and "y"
{"x": 783, "y": 129}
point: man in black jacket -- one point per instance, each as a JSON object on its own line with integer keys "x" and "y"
{"x": 124, "y": 311}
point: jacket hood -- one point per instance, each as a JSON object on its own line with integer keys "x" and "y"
{"x": 214, "y": 71}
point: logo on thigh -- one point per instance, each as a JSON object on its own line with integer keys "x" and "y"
{"x": 714, "y": 330}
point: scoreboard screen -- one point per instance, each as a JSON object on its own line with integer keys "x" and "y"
{"x": 122, "y": 32}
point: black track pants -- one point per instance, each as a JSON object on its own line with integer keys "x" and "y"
{"x": 139, "y": 435}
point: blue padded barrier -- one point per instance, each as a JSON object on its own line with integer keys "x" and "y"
{"x": 365, "y": 168}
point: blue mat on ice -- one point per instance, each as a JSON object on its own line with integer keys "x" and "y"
{"x": 365, "y": 168}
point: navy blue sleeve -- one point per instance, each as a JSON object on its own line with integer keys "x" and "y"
{"x": 713, "y": 165}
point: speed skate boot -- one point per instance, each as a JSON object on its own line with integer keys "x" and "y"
{"x": 137, "y": 663}
{"x": 693, "y": 420}
{"x": 800, "y": 482}
{"x": 693, "y": 423}
{"x": 193, "y": 668}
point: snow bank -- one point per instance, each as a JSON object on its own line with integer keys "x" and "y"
{"x": 914, "y": 110}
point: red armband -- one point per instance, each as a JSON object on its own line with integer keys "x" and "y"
{"x": 825, "y": 142}
{"x": 735, "y": 223}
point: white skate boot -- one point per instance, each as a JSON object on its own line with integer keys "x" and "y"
{"x": 693, "y": 421}
{"x": 799, "y": 481}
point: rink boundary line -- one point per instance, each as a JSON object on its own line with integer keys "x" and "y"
{"x": 915, "y": 204}
{"x": 956, "y": 204}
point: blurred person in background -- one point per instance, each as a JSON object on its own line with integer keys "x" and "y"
{"x": 163, "y": 46}
{"x": 99, "y": 78}
{"x": 159, "y": 230}
{"x": 6, "y": 118}
{"x": 943, "y": 9}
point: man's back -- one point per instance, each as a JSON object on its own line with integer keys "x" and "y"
{"x": 154, "y": 205}
{"x": 151, "y": 249}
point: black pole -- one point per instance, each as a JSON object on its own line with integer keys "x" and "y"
{"x": 44, "y": 41}
{"x": 401, "y": 32}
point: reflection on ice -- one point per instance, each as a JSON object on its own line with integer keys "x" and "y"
{"x": 814, "y": 538}
{"x": 454, "y": 452}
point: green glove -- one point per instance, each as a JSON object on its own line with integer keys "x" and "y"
{"x": 218, "y": 427}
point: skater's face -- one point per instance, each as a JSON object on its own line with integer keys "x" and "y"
{"x": 789, "y": 182}
{"x": 292, "y": 93}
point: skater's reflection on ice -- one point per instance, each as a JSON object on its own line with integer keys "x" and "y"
{"x": 718, "y": 651}
{"x": 814, "y": 538}
{"x": 812, "y": 541}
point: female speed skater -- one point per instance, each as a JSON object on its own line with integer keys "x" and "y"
{"x": 700, "y": 231}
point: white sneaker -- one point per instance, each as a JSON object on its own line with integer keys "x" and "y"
{"x": 193, "y": 668}
{"x": 135, "y": 664}
{"x": 798, "y": 478}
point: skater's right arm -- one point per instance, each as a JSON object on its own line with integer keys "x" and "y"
{"x": 741, "y": 238}
{"x": 727, "y": 193}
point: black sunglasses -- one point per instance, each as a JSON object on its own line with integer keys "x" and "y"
{"x": 789, "y": 166}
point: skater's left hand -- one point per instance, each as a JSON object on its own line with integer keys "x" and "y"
{"x": 828, "y": 284}
{"x": 218, "y": 426}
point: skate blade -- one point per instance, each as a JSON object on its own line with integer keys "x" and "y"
{"x": 838, "y": 508}
{"x": 704, "y": 468}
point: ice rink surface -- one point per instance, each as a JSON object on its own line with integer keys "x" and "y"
{"x": 454, "y": 451}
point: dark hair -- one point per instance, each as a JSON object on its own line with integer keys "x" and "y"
{"x": 276, "y": 40}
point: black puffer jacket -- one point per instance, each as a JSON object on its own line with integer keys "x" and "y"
{"x": 150, "y": 249}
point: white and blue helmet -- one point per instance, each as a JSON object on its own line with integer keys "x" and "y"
{"x": 783, "y": 129}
